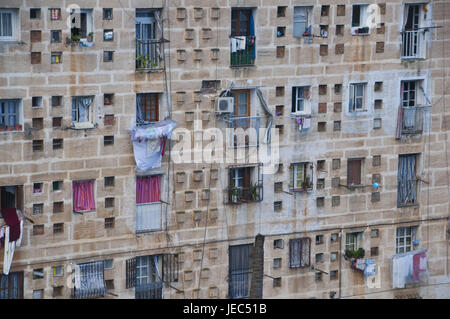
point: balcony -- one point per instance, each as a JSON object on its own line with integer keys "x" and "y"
{"x": 240, "y": 195}
{"x": 411, "y": 45}
{"x": 242, "y": 54}
{"x": 244, "y": 131}
{"x": 152, "y": 290}
{"x": 148, "y": 217}
{"x": 148, "y": 55}
{"x": 412, "y": 120}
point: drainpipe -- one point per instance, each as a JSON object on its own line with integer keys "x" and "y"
{"x": 340, "y": 261}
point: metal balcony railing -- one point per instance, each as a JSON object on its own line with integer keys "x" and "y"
{"x": 242, "y": 57}
{"x": 411, "y": 44}
{"x": 148, "y": 55}
{"x": 244, "y": 131}
{"x": 412, "y": 121}
{"x": 239, "y": 195}
{"x": 148, "y": 217}
{"x": 151, "y": 290}
{"x": 407, "y": 193}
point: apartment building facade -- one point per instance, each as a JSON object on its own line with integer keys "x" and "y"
{"x": 354, "y": 93}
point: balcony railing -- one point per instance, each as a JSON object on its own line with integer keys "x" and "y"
{"x": 148, "y": 55}
{"x": 151, "y": 290}
{"x": 411, "y": 45}
{"x": 244, "y": 131}
{"x": 412, "y": 121}
{"x": 148, "y": 217}
{"x": 407, "y": 193}
{"x": 244, "y": 56}
{"x": 239, "y": 195}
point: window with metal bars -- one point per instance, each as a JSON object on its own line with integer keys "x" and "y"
{"x": 89, "y": 280}
{"x": 299, "y": 252}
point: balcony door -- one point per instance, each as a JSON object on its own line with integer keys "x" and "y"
{"x": 240, "y": 22}
{"x": 146, "y": 47}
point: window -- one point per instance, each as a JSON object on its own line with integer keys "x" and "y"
{"x": 58, "y": 143}
{"x": 109, "y": 181}
{"x": 353, "y": 241}
{"x": 10, "y": 115}
{"x": 276, "y": 263}
{"x": 319, "y": 239}
{"x": 278, "y": 244}
{"x": 407, "y": 180}
{"x": 38, "y": 188}
{"x": 148, "y": 203}
{"x": 413, "y": 37}
{"x": 38, "y": 230}
{"x": 38, "y": 209}
{"x": 240, "y": 261}
{"x": 82, "y": 111}
{"x": 58, "y": 271}
{"x": 109, "y": 202}
{"x": 301, "y": 176}
{"x": 359, "y": 19}
{"x": 55, "y": 36}
{"x": 108, "y": 35}
{"x": 36, "y": 101}
{"x": 9, "y": 24}
{"x": 319, "y": 258}
{"x": 147, "y": 108}
{"x": 108, "y": 263}
{"x": 11, "y": 285}
{"x": 374, "y": 233}
{"x": 109, "y": 222}
{"x": 277, "y": 206}
{"x": 242, "y": 41}
{"x": 37, "y": 145}
{"x": 83, "y": 196}
{"x": 35, "y": 57}
{"x": 56, "y": 100}
{"x": 148, "y": 35}
{"x": 35, "y": 35}
{"x": 38, "y": 294}
{"x": 281, "y": 32}
{"x": 278, "y": 187}
{"x": 301, "y": 100}
{"x": 108, "y": 140}
{"x": 81, "y": 24}
{"x": 107, "y": 13}
{"x": 281, "y": 11}
{"x": 354, "y": 167}
{"x": 58, "y": 228}
{"x": 58, "y": 207}
{"x": 108, "y": 56}
{"x": 55, "y": 14}
{"x": 56, "y": 122}
{"x": 57, "y": 185}
{"x": 324, "y": 12}
{"x": 299, "y": 252}
{"x": 241, "y": 187}
{"x": 35, "y": 13}
{"x": 405, "y": 239}
{"x": 357, "y": 97}
{"x": 91, "y": 280}
{"x": 302, "y": 16}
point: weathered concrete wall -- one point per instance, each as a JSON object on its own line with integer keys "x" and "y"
{"x": 83, "y": 72}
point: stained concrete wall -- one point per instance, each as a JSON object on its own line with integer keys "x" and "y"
{"x": 83, "y": 72}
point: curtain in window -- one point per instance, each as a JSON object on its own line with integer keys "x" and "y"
{"x": 6, "y": 24}
{"x": 80, "y": 108}
{"x": 83, "y": 196}
{"x": 139, "y": 114}
{"x": 407, "y": 182}
{"x": 148, "y": 189}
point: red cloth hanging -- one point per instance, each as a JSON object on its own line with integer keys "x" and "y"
{"x": 148, "y": 189}
{"x": 12, "y": 220}
{"x": 163, "y": 144}
{"x": 83, "y": 196}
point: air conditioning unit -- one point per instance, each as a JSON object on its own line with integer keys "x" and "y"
{"x": 225, "y": 105}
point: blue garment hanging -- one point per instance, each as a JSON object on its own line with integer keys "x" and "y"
{"x": 252, "y": 34}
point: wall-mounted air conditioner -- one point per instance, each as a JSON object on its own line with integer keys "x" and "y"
{"x": 225, "y": 105}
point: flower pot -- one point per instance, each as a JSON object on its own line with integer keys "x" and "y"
{"x": 18, "y": 127}
{"x": 9, "y": 128}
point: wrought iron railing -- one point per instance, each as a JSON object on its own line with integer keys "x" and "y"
{"x": 245, "y": 56}
{"x": 411, "y": 44}
{"x": 412, "y": 120}
{"x": 238, "y": 195}
{"x": 148, "y": 55}
{"x": 244, "y": 131}
{"x": 151, "y": 290}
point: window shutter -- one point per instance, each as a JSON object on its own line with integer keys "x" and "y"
{"x": 294, "y": 97}
{"x": 131, "y": 273}
{"x": 294, "y": 253}
{"x": 247, "y": 178}
{"x": 351, "y": 98}
{"x": 354, "y": 172}
{"x": 170, "y": 268}
{"x": 291, "y": 176}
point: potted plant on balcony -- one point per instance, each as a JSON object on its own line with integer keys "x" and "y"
{"x": 90, "y": 37}
{"x": 9, "y": 128}
{"x": 75, "y": 38}
{"x": 306, "y": 184}
{"x": 252, "y": 192}
{"x": 235, "y": 194}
